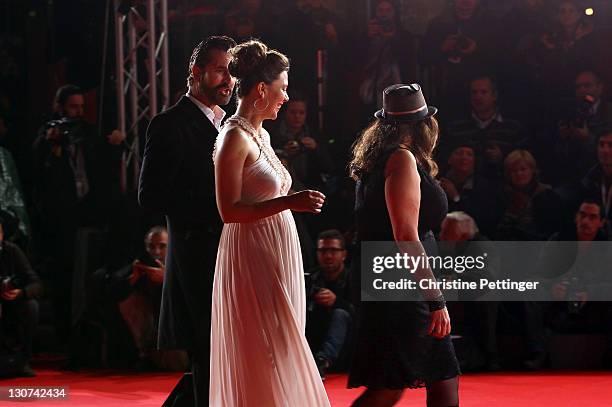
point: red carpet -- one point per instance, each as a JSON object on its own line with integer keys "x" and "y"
{"x": 548, "y": 389}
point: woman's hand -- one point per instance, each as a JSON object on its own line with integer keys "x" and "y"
{"x": 306, "y": 201}
{"x": 440, "y": 325}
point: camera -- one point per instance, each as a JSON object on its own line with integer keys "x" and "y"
{"x": 463, "y": 42}
{"x": 578, "y": 112}
{"x": 148, "y": 260}
{"x": 68, "y": 130}
{"x": 574, "y": 286}
{"x": 314, "y": 290}
{"x": 10, "y": 283}
{"x": 386, "y": 25}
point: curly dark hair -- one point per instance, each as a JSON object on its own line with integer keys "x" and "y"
{"x": 252, "y": 62}
{"x": 381, "y": 136}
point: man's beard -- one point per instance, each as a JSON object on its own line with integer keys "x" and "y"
{"x": 214, "y": 95}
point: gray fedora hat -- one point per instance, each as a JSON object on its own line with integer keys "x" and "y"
{"x": 404, "y": 103}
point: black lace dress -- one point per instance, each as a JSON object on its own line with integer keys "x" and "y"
{"x": 393, "y": 349}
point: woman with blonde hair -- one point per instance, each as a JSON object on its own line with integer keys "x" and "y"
{"x": 402, "y": 344}
{"x": 531, "y": 209}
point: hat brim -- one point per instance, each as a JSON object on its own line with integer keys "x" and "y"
{"x": 431, "y": 110}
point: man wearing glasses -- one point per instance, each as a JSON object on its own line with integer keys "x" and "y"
{"x": 330, "y": 312}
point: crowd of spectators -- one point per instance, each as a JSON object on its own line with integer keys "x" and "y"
{"x": 525, "y": 153}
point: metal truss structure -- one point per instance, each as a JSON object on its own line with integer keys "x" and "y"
{"x": 141, "y": 47}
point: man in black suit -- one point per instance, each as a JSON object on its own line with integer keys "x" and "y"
{"x": 177, "y": 179}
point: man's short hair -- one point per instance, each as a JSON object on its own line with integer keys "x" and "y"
{"x": 332, "y": 234}
{"x": 605, "y": 131}
{"x": 590, "y": 71}
{"x": 156, "y": 230}
{"x": 297, "y": 96}
{"x": 488, "y": 76}
{"x": 63, "y": 93}
{"x": 592, "y": 201}
{"x": 201, "y": 53}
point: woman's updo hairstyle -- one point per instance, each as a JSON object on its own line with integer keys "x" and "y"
{"x": 252, "y": 62}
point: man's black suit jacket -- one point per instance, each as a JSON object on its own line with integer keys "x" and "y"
{"x": 177, "y": 179}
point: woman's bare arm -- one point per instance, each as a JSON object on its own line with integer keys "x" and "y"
{"x": 403, "y": 198}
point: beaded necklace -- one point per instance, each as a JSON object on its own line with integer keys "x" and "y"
{"x": 265, "y": 148}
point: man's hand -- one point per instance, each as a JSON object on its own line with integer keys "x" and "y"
{"x": 154, "y": 274}
{"x": 52, "y": 134}
{"x": 292, "y": 147}
{"x": 449, "y": 44}
{"x": 579, "y": 133}
{"x": 470, "y": 46}
{"x": 136, "y": 272}
{"x": 325, "y": 297}
{"x": 116, "y": 137}
{"x": 309, "y": 143}
{"x": 374, "y": 29}
{"x": 11, "y": 295}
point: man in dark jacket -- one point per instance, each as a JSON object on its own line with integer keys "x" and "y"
{"x": 330, "y": 312}
{"x": 18, "y": 306}
{"x": 177, "y": 179}
{"x": 77, "y": 183}
{"x": 596, "y": 184}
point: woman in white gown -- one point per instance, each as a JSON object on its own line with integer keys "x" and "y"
{"x": 259, "y": 354}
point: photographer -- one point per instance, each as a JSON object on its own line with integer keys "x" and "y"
{"x": 390, "y": 55}
{"x": 307, "y": 155}
{"x": 137, "y": 291}
{"x": 18, "y": 309}
{"x": 77, "y": 183}
{"x": 457, "y": 43}
{"x": 329, "y": 311}
{"x": 573, "y": 273}
{"x": 575, "y": 146}
{"x": 126, "y": 302}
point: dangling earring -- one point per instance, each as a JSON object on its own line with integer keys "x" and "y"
{"x": 260, "y": 110}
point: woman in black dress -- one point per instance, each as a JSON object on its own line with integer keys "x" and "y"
{"x": 401, "y": 344}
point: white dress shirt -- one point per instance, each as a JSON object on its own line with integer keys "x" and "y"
{"x": 215, "y": 116}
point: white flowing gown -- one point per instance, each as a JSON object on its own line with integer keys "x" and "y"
{"x": 259, "y": 354}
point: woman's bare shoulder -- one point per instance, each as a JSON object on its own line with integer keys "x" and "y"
{"x": 401, "y": 160}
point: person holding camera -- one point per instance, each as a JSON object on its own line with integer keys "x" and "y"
{"x": 77, "y": 176}
{"x": 457, "y": 43}
{"x": 138, "y": 288}
{"x": 307, "y": 155}
{"x": 390, "y": 55}
{"x": 19, "y": 292}
{"x": 596, "y": 184}
{"x": 575, "y": 145}
{"x": 573, "y": 275}
{"x": 330, "y": 311}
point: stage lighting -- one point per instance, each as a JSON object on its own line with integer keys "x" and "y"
{"x": 589, "y": 11}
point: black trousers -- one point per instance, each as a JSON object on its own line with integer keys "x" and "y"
{"x": 19, "y": 321}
